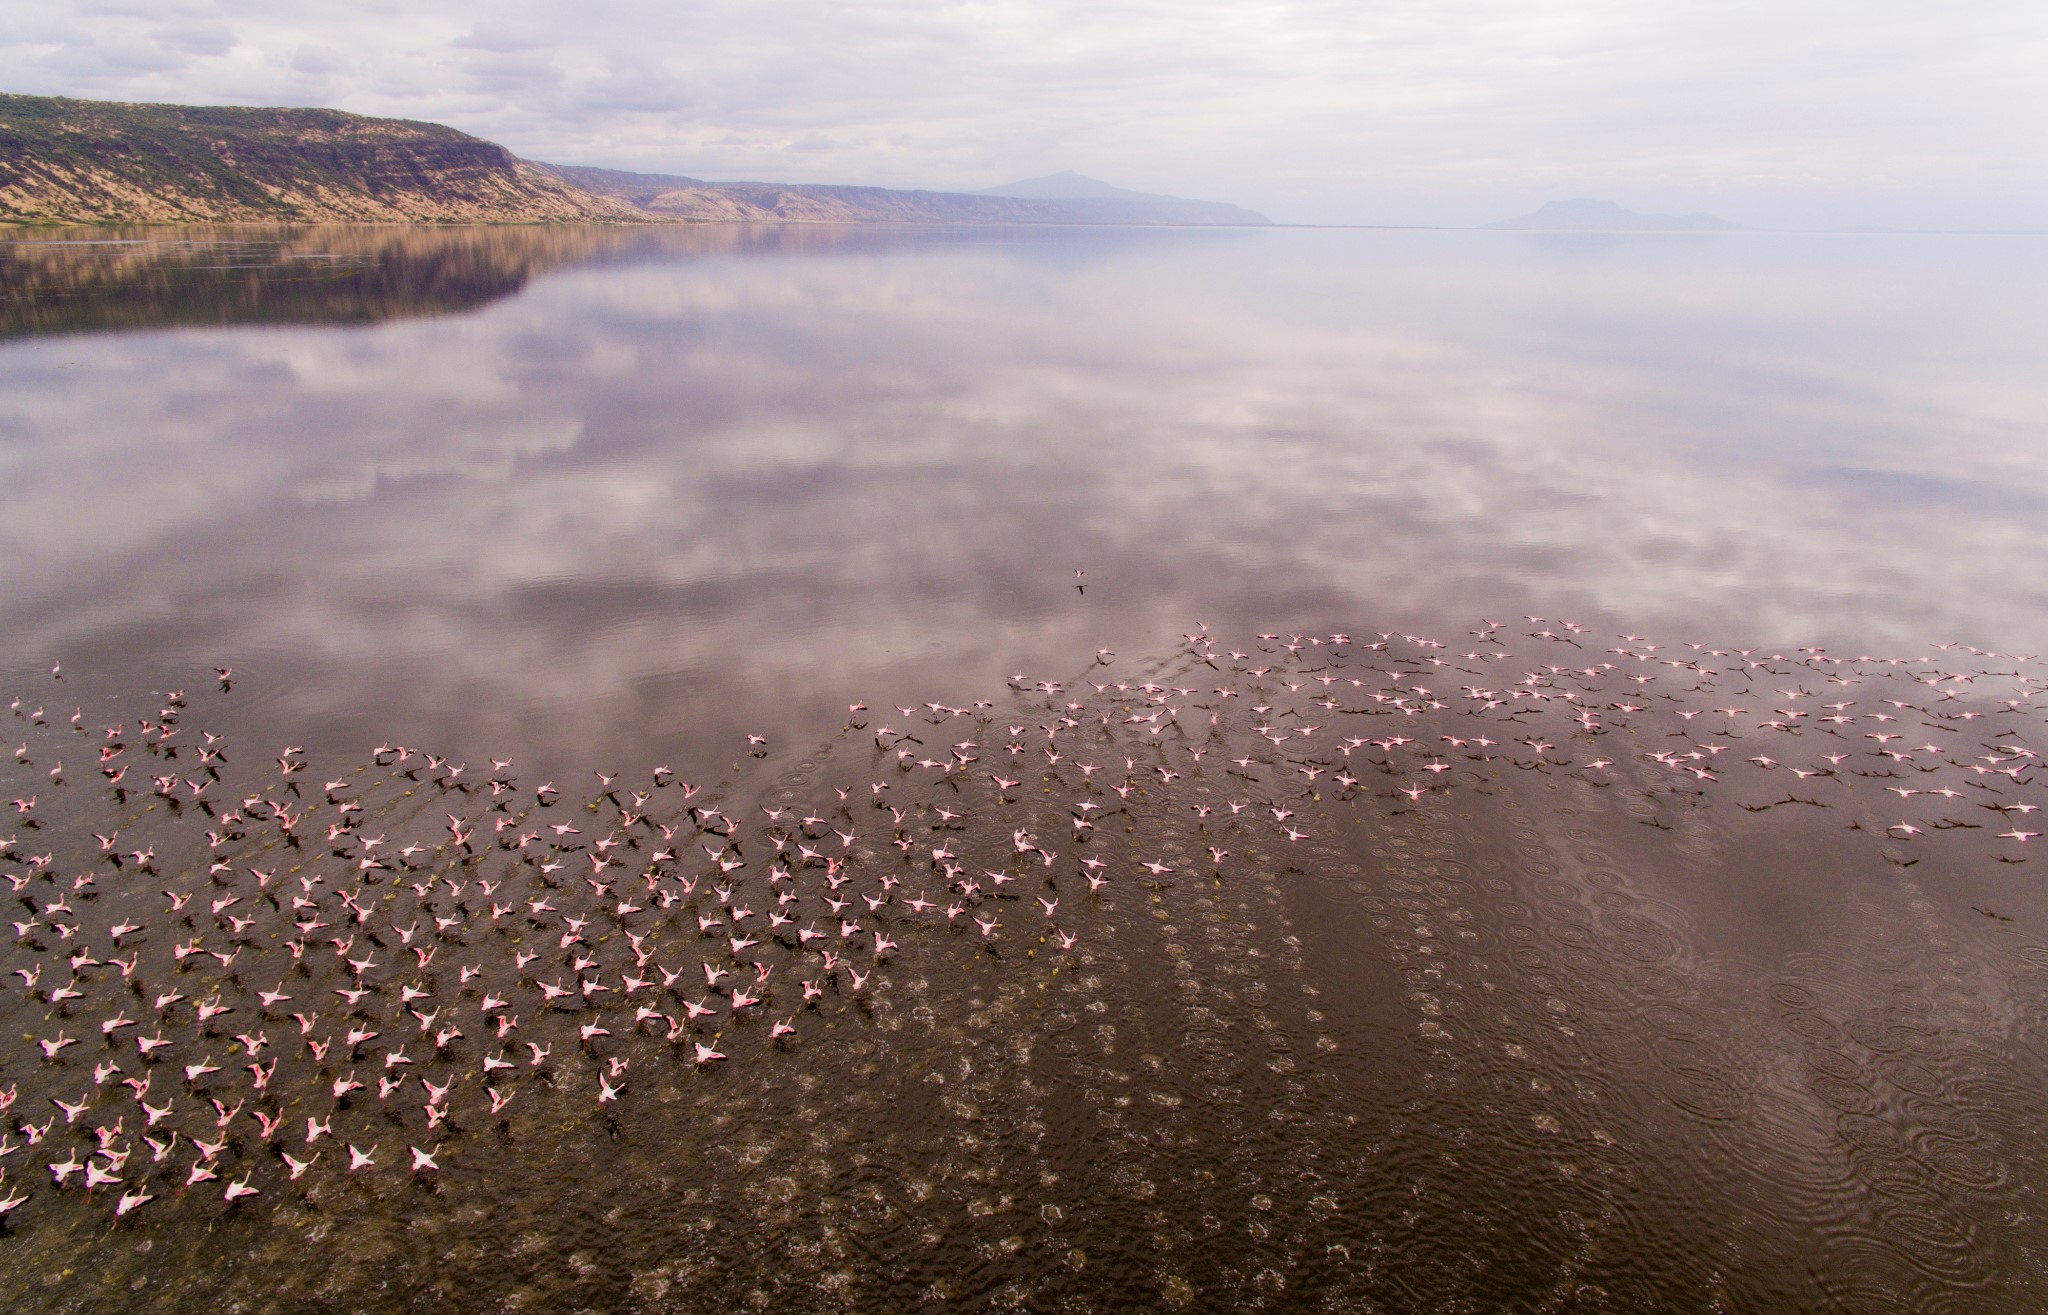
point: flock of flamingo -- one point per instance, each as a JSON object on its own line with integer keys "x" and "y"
{"x": 227, "y": 971}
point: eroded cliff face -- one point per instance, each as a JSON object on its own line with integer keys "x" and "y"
{"x": 76, "y": 161}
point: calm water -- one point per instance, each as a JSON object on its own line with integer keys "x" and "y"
{"x": 1477, "y": 1025}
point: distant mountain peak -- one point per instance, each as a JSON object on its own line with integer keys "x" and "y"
{"x": 1107, "y": 203}
{"x": 1063, "y": 186}
{"x": 1587, "y": 215}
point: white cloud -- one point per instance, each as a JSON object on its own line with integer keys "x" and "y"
{"x": 318, "y": 59}
{"x": 195, "y": 38}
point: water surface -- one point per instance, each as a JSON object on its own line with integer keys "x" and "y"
{"x": 631, "y": 481}
{"x": 1487, "y": 1026}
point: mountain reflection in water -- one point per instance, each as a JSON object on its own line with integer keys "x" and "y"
{"x": 155, "y": 278}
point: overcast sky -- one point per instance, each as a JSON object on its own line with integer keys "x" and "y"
{"x": 1773, "y": 113}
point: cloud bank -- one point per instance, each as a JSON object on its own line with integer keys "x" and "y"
{"x": 1815, "y": 112}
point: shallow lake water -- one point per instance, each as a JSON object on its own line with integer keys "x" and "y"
{"x": 1091, "y": 770}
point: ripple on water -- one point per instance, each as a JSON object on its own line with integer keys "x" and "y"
{"x": 1880, "y": 1037}
{"x": 1706, "y": 1092}
{"x": 1808, "y": 1025}
{"x": 1969, "y": 1163}
{"x": 1789, "y": 1150}
{"x": 1860, "y": 1271}
{"x": 1930, "y": 1239}
{"x": 1578, "y": 935}
{"x": 1615, "y": 903}
{"x": 1843, "y": 1094}
{"x": 1833, "y": 1063}
{"x": 1793, "y": 996}
{"x": 1911, "y": 1076}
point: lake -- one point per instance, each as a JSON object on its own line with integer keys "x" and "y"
{"x": 1558, "y": 718}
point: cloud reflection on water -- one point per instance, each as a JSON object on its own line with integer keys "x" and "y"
{"x": 684, "y": 485}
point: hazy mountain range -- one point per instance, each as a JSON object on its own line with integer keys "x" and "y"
{"x": 1589, "y": 216}
{"x": 1085, "y": 195}
{"x": 1062, "y": 199}
{"x": 80, "y": 161}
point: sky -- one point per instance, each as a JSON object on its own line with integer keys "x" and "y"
{"x": 1792, "y": 113}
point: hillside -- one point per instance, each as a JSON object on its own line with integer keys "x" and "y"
{"x": 677, "y": 197}
{"x": 79, "y": 161}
